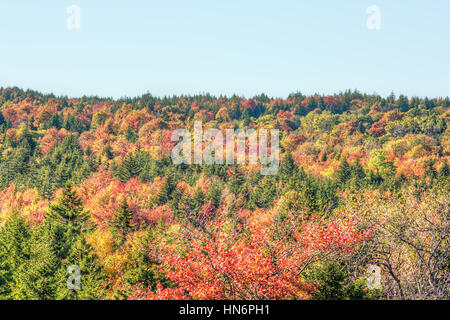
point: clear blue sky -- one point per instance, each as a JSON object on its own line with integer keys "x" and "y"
{"x": 126, "y": 48}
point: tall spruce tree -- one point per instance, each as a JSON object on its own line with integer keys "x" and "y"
{"x": 122, "y": 223}
{"x": 236, "y": 181}
{"x": 14, "y": 237}
{"x": 129, "y": 168}
{"x": 36, "y": 278}
{"x": 287, "y": 168}
{"x": 343, "y": 173}
{"x": 264, "y": 193}
{"x": 68, "y": 210}
{"x": 167, "y": 188}
{"x": 91, "y": 274}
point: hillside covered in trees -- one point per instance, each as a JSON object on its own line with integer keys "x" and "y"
{"x": 89, "y": 182}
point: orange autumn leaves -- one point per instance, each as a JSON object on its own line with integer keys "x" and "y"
{"x": 102, "y": 195}
{"x": 25, "y": 202}
{"x": 252, "y": 258}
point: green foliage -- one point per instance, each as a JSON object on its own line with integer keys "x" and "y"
{"x": 68, "y": 210}
{"x": 408, "y": 148}
{"x": 236, "y": 181}
{"x": 378, "y": 161}
{"x": 14, "y": 237}
{"x": 122, "y": 223}
{"x": 130, "y": 135}
{"x": 34, "y": 261}
{"x": 35, "y": 278}
{"x": 144, "y": 270}
{"x": 287, "y": 168}
{"x": 314, "y": 194}
{"x": 166, "y": 189}
{"x": 91, "y": 274}
{"x": 343, "y": 173}
{"x": 198, "y": 200}
{"x": 264, "y": 193}
{"x": 129, "y": 168}
{"x": 63, "y": 163}
{"x": 335, "y": 284}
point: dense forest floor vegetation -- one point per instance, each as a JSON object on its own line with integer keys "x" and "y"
{"x": 89, "y": 182}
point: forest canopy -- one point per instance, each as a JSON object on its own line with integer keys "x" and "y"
{"x": 89, "y": 182}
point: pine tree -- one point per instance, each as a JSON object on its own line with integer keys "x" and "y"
{"x": 198, "y": 200}
{"x": 236, "y": 181}
{"x": 64, "y": 161}
{"x": 357, "y": 175}
{"x": 326, "y": 198}
{"x": 358, "y": 170}
{"x": 122, "y": 222}
{"x": 298, "y": 180}
{"x": 181, "y": 204}
{"x": 167, "y": 188}
{"x": 144, "y": 269}
{"x": 36, "y": 278}
{"x": 443, "y": 177}
{"x": 47, "y": 187}
{"x": 26, "y": 141}
{"x": 55, "y": 121}
{"x": 287, "y": 167}
{"x": 214, "y": 194}
{"x": 129, "y": 168}
{"x": 332, "y": 283}
{"x": 14, "y": 237}
{"x": 245, "y": 116}
{"x": 343, "y": 173}
{"x": 91, "y": 274}
{"x": 402, "y": 103}
{"x": 308, "y": 196}
{"x": 68, "y": 210}
{"x": 264, "y": 193}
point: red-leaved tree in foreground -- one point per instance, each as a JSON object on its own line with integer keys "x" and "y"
{"x": 262, "y": 257}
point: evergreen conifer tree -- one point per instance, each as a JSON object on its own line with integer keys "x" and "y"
{"x": 167, "y": 188}
{"x": 129, "y": 168}
{"x": 91, "y": 274}
{"x": 122, "y": 223}
{"x": 343, "y": 173}
{"x": 236, "y": 181}
{"x": 287, "y": 167}
{"x": 36, "y": 278}
{"x": 68, "y": 210}
{"x": 14, "y": 237}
